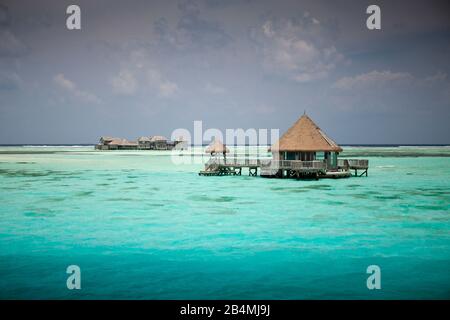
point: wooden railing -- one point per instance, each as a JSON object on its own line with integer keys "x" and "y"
{"x": 272, "y": 164}
{"x": 353, "y": 163}
{"x": 235, "y": 162}
{"x": 297, "y": 165}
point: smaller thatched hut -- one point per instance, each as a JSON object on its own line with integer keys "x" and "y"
{"x": 143, "y": 143}
{"x": 217, "y": 147}
{"x": 159, "y": 143}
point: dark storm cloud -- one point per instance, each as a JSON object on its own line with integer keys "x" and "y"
{"x": 191, "y": 31}
{"x": 4, "y": 16}
{"x": 10, "y": 44}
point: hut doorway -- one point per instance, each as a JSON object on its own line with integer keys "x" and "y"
{"x": 307, "y": 156}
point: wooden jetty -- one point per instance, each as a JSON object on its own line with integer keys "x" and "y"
{"x": 283, "y": 168}
{"x": 304, "y": 151}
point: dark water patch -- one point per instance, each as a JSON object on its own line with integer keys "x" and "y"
{"x": 55, "y": 179}
{"x": 103, "y": 184}
{"x": 441, "y": 218}
{"x": 39, "y": 213}
{"x": 431, "y": 207}
{"x": 440, "y": 191}
{"x": 132, "y": 177}
{"x": 153, "y": 205}
{"x": 360, "y": 195}
{"x": 84, "y": 193}
{"x": 130, "y": 188}
{"x": 334, "y": 202}
{"x": 122, "y": 199}
{"x": 290, "y": 189}
{"x": 297, "y": 190}
{"x": 36, "y": 174}
{"x": 395, "y": 217}
{"x": 212, "y": 199}
{"x": 318, "y": 187}
{"x": 247, "y": 202}
{"x": 67, "y": 173}
{"x": 200, "y": 197}
{"x": 437, "y": 193}
{"x": 277, "y": 188}
{"x": 23, "y": 173}
{"x": 25, "y": 162}
{"x": 55, "y": 199}
{"x": 222, "y": 211}
{"x": 322, "y": 217}
{"x": 225, "y": 199}
{"x": 388, "y": 197}
{"x": 353, "y": 185}
{"x": 154, "y": 188}
{"x": 61, "y": 178}
{"x": 11, "y": 188}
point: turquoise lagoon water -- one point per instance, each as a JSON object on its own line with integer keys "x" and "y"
{"x": 141, "y": 227}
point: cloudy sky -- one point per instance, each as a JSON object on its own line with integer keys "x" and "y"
{"x": 149, "y": 67}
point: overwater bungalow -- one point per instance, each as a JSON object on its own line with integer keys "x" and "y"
{"x": 312, "y": 150}
{"x": 159, "y": 143}
{"x": 304, "y": 151}
{"x": 120, "y": 144}
{"x": 216, "y": 148}
{"x": 217, "y": 164}
{"x": 142, "y": 143}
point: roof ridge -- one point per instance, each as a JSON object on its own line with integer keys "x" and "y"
{"x": 306, "y": 135}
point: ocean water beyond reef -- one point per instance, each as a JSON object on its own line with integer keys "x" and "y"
{"x": 141, "y": 227}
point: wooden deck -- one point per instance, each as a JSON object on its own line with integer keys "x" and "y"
{"x": 355, "y": 164}
{"x": 284, "y": 168}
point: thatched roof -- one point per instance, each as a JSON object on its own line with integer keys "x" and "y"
{"x": 217, "y": 147}
{"x": 105, "y": 139}
{"x": 144, "y": 139}
{"x": 305, "y": 136}
{"x": 122, "y": 142}
{"x": 158, "y": 138}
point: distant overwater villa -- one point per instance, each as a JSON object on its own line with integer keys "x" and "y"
{"x": 142, "y": 143}
{"x": 304, "y": 151}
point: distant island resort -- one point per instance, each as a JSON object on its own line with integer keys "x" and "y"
{"x": 304, "y": 151}
{"x": 142, "y": 143}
